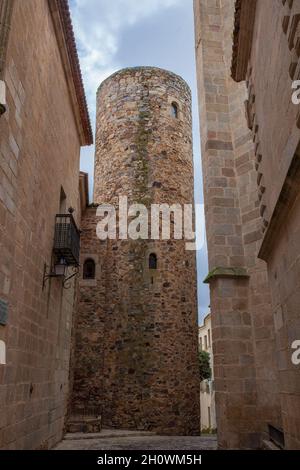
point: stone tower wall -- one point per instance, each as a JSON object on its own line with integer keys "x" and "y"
{"x": 147, "y": 376}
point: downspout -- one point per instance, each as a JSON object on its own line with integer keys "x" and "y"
{"x": 6, "y": 9}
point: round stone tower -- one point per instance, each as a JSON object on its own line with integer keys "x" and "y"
{"x": 149, "y": 375}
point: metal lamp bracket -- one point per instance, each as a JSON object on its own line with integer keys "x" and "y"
{"x": 66, "y": 283}
{"x": 48, "y": 274}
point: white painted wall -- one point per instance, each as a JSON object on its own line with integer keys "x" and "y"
{"x": 2, "y": 353}
{"x": 207, "y": 395}
{"x": 2, "y": 94}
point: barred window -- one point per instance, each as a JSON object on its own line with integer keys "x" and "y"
{"x": 174, "y": 110}
{"x": 89, "y": 269}
{"x": 152, "y": 261}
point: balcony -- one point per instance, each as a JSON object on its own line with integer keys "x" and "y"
{"x": 66, "y": 240}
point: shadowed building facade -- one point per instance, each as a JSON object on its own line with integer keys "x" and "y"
{"x": 250, "y": 154}
{"x": 274, "y": 122}
{"x": 43, "y": 124}
{"x": 246, "y": 379}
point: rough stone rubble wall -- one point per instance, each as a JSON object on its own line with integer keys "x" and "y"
{"x": 144, "y": 321}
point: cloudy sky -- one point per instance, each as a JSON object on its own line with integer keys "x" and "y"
{"x": 113, "y": 34}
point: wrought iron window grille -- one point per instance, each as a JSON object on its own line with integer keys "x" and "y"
{"x": 66, "y": 249}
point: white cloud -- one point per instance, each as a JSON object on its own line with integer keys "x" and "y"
{"x": 98, "y": 25}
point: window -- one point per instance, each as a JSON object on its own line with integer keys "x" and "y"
{"x": 89, "y": 269}
{"x": 152, "y": 261}
{"x": 174, "y": 110}
{"x": 205, "y": 342}
{"x": 200, "y": 343}
{"x": 209, "y": 342}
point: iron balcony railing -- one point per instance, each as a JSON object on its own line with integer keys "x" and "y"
{"x": 66, "y": 239}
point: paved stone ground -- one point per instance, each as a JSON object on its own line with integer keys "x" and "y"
{"x": 134, "y": 440}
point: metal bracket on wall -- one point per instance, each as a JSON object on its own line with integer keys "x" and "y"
{"x": 65, "y": 279}
{"x": 66, "y": 283}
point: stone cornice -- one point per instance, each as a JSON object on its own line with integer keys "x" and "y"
{"x": 67, "y": 46}
{"x": 242, "y": 37}
{"x": 221, "y": 272}
{"x": 145, "y": 68}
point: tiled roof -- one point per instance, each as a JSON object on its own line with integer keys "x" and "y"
{"x": 65, "y": 16}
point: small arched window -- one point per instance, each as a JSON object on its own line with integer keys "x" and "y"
{"x": 89, "y": 269}
{"x": 152, "y": 261}
{"x": 174, "y": 110}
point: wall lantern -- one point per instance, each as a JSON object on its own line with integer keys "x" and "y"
{"x": 60, "y": 268}
{"x": 65, "y": 250}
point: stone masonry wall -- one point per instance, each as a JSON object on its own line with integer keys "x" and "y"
{"x": 243, "y": 333}
{"x": 275, "y": 124}
{"x": 39, "y": 153}
{"x": 142, "y": 322}
{"x": 89, "y": 325}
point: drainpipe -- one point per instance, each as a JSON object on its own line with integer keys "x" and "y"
{"x": 6, "y": 9}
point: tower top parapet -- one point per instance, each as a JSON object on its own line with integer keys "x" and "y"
{"x": 145, "y": 69}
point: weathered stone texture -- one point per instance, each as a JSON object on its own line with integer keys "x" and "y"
{"x": 89, "y": 326}
{"x": 39, "y": 153}
{"x": 275, "y": 127}
{"x": 243, "y": 332}
{"x": 137, "y": 328}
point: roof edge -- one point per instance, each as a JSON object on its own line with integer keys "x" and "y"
{"x": 60, "y": 12}
{"x": 226, "y": 272}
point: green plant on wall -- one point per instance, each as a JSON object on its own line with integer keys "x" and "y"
{"x": 204, "y": 365}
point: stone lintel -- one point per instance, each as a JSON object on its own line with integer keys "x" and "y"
{"x": 242, "y": 37}
{"x": 221, "y": 272}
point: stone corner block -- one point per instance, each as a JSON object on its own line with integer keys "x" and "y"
{"x": 225, "y": 272}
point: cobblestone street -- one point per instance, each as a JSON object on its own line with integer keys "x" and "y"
{"x": 131, "y": 440}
